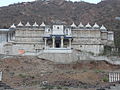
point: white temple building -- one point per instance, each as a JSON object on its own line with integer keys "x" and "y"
{"x": 56, "y": 38}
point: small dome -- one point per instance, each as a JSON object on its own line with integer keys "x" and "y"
{"x": 13, "y": 26}
{"x": 103, "y": 27}
{"x": 20, "y": 24}
{"x": 28, "y": 24}
{"x": 81, "y": 25}
{"x": 73, "y": 25}
{"x": 35, "y": 24}
{"x": 88, "y": 25}
{"x": 43, "y": 24}
{"x": 96, "y": 25}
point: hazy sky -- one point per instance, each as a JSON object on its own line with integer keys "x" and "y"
{"x": 7, "y": 2}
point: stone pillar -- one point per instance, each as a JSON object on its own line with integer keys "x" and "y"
{"x": 70, "y": 42}
{"x": 8, "y": 36}
{"x": 14, "y": 36}
{"x": 45, "y": 42}
{"x": 62, "y": 43}
{"x": 53, "y": 40}
{"x": 0, "y": 76}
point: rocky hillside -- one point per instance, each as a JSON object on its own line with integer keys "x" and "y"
{"x": 104, "y": 12}
{"x": 32, "y": 73}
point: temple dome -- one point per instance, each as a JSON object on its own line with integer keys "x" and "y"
{"x": 81, "y": 25}
{"x": 73, "y": 25}
{"x": 20, "y": 24}
{"x": 35, "y": 24}
{"x": 88, "y": 25}
{"x": 96, "y": 26}
{"x": 43, "y": 24}
{"x": 28, "y": 24}
{"x": 13, "y": 26}
{"x": 103, "y": 27}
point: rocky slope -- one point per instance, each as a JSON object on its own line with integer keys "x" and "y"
{"x": 27, "y": 71}
{"x": 104, "y": 12}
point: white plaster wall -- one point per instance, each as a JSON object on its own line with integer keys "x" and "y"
{"x": 30, "y": 39}
{"x": 92, "y": 48}
{"x": 29, "y": 36}
{"x": 111, "y": 36}
{"x": 3, "y": 38}
{"x": 86, "y": 33}
{"x": 32, "y": 33}
{"x": 2, "y": 48}
{"x": 58, "y": 29}
{"x": 3, "y": 41}
{"x": 29, "y": 48}
{"x": 104, "y": 35}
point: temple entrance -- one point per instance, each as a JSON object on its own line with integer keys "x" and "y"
{"x": 57, "y": 44}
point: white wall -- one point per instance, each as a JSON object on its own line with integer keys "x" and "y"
{"x": 3, "y": 41}
{"x": 92, "y": 48}
{"x": 3, "y": 38}
{"x": 110, "y": 36}
{"x": 58, "y": 29}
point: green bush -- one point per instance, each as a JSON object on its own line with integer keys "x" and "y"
{"x": 22, "y": 75}
{"x": 66, "y": 88}
{"x": 105, "y": 79}
{"x": 98, "y": 71}
{"x": 59, "y": 87}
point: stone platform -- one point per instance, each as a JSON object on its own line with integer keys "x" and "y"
{"x": 59, "y": 55}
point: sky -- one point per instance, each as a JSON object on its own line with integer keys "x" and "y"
{"x": 7, "y": 2}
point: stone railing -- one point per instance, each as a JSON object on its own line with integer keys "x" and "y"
{"x": 114, "y": 76}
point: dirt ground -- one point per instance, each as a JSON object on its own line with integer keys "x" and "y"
{"x": 32, "y": 73}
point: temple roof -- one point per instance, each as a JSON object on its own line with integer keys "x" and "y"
{"x": 4, "y": 30}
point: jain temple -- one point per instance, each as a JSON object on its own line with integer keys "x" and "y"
{"x": 58, "y": 38}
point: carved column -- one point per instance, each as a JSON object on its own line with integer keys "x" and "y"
{"x": 45, "y": 42}
{"x": 70, "y": 42}
{"x": 62, "y": 43}
{"x": 53, "y": 40}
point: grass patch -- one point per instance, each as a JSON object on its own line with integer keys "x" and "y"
{"x": 48, "y": 87}
{"x": 98, "y": 71}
